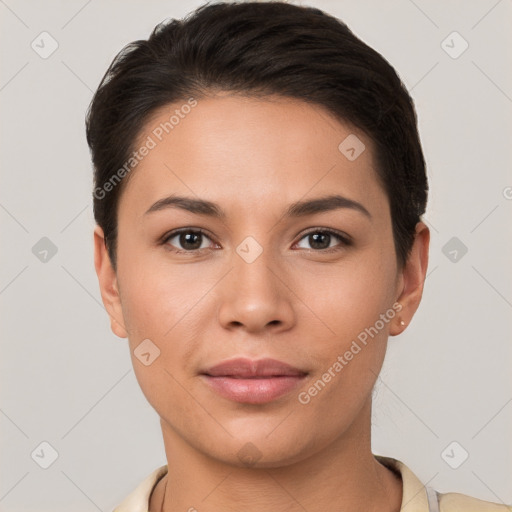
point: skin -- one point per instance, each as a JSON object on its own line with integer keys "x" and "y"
{"x": 295, "y": 303}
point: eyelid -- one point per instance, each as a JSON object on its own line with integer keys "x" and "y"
{"x": 347, "y": 239}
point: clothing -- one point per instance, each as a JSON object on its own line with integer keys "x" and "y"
{"x": 415, "y": 497}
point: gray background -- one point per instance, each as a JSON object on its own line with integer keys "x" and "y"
{"x": 67, "y": 380}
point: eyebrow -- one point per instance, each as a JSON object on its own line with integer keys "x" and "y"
{"x": 297, "y": 209}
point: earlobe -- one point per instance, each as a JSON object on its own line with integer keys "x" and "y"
{"x": 412, "y": 279}
{"x": 107, "y": 279}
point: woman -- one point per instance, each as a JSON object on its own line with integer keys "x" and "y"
{"x": 259, "y": 186}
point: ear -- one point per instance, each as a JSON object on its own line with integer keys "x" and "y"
{"x": 108, "y": 284}
{"x": 412, "y": 279}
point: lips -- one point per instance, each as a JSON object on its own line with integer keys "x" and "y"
{"x": 253, "y": 381}
{"x": 247, "y": 368}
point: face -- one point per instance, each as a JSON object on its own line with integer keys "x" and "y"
{"x": 273, "y": 274}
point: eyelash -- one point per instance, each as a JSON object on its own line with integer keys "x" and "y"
{"x": 344, "y": 239}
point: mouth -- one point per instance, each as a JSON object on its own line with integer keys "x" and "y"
{"x": 253, "y": 381}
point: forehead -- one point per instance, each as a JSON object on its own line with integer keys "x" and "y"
{"x": 245, "y": 150}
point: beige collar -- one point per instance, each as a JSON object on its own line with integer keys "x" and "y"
{"x": 414, "y": 495}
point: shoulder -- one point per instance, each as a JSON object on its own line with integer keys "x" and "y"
{"x": 138, "y": 500}
{"x": 455, "y": 502}
{"x": 418, "y": 497}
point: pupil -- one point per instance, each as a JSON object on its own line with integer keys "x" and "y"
{"x": 314, "y": 240}
{"x": 187, "y": 238}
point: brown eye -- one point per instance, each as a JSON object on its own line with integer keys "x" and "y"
{"x": 188, "y": 240}
{"x": 322, "y": 240}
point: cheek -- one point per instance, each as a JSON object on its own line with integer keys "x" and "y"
{"x": 165, "y": 304}
{"x": 350, "y": 296}
{"x": 350, "y": 344}
{"x": 352, "y": 335}
{"x": 160, "y": 308}
{"x": 155, "y": 295}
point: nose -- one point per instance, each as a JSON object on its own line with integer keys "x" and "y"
{"x": 256, "y": 296}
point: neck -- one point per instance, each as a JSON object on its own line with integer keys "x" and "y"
{"x": 343, "y": 476}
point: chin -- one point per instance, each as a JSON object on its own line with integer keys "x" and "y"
{"x": 259, "y": 449}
